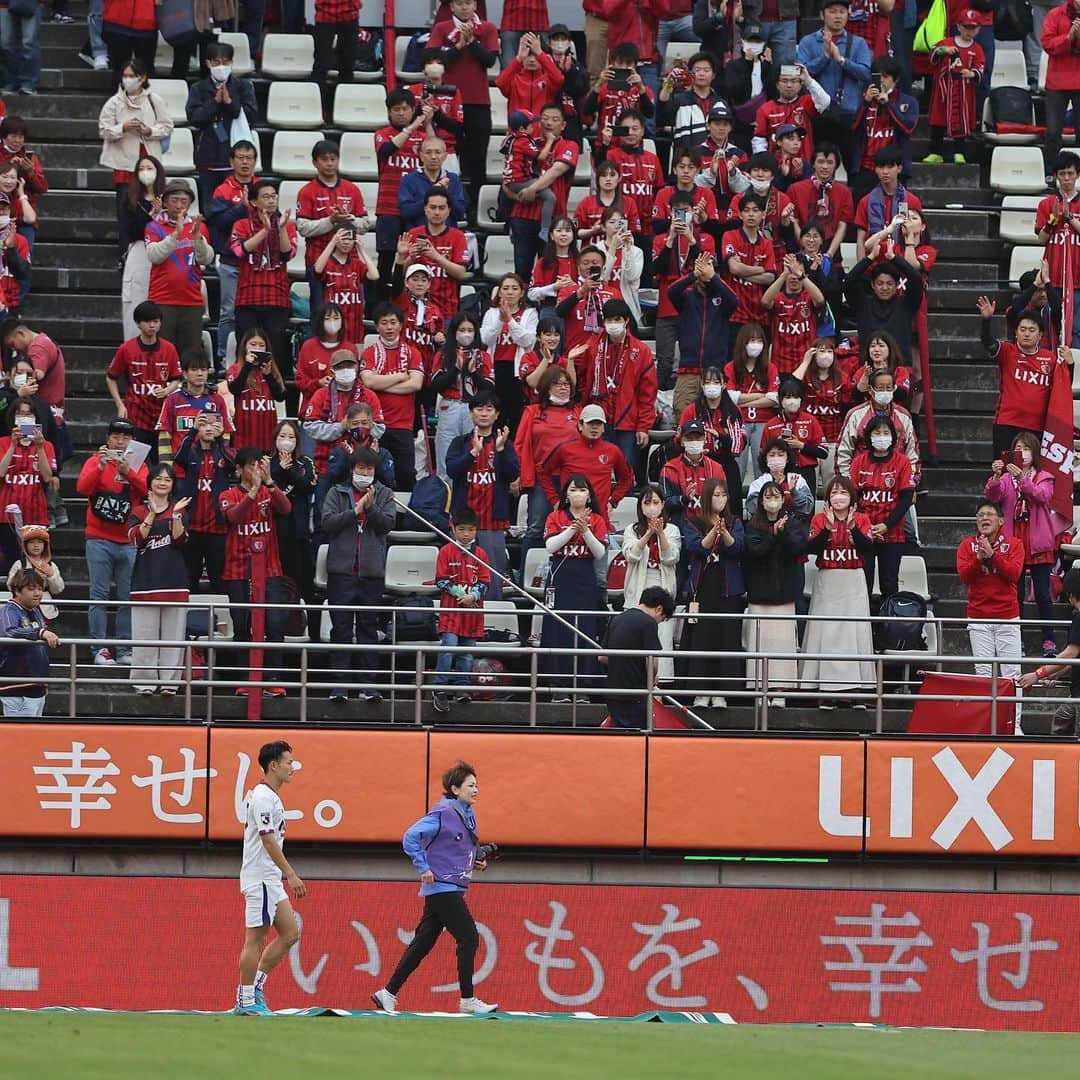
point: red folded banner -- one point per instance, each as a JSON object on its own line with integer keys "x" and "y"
{"x": 1057, "y": 440}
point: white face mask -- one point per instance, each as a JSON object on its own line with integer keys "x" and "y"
{"x": 465, "y": 338}
{"x": 1025, "y": 457}
{"x": 752, "y": 49}
{"x": 221, "y": 73}
{"x": 332, "y": 326}
{"x": 695, "y": 448}
{"x": 776, "y": 464}
{"x": 824, "y": 360}
{"x": 361, "y": 481}
{"x": 5, "y": 220}
{"x": 286, "y": 445}
{"x": 881, "y": 440}
{"x": 883, "y": 397}
{"x": 345, "y": 377}
{"x": 652, "y": 510}
{"x": 760, "y": 186}
{"x": 615, "y": 329}
{"x": 131, "y": 83}
{"x": 147, "y": 176}
{"x": 839, "y": 500}
{"x": 712, "y": 391}
{"x": 791, "y": 404}
{"x": 19, "y": 380}
{"x": 559, "y": 399}
{"x": 755, "y": 348}
{"x": 559, "y": 47}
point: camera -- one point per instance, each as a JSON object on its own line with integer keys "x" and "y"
{"x": 621, "y": 79}
{"x": 438, "y": 90}
{"x": 487, "y": 852}
{"x": 262, "y": 357}
{"x": 620, "y": 131}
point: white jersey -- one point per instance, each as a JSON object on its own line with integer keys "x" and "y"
{"x": 264, "y": 814}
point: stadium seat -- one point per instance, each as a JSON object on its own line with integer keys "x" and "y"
{"x": 180, "y": 158}
{"x": 288, "y": 56}
{"x": 498, "y": 114}
{"x": 360, "y": 107}
{"x": 493, "y": 71}
{"x": 1007, "y": 139}
{"x": 1018, "y": 219}
{"x": 174, "y": 92}
{"x": 370, "y": 191}
{"x": 1023, "y": 258}
{"x": 241, "y": 64}
{"x": 495, "y": 160}
{"x": 500, "y": 616}
{"x": 498, "y": 257}
{"x": 521, "y": 518}
{"x": 358, "y": 160}
{"x": 410, "y": 532}
{"x": 534, "y": 573}
{"x": 223, "y": 625}
{"x": 1017, "y": 170}
{"x": 293, "y": 105}
{"x": 291, "y": 155}
{"x": 1072, "y": 551}
{"x": 401, "y": 47}
{"x": 624, "y": 514}
{"x": 486, "y": 209}
{"x": 849, "y": 254}
{"x": 583, "y": 171}
{"x": 320, "y": 566}
{"x": 288, "y": 191}
{"x": 1044, "y": 61}
{"x": 679, "y": 50}
{"x": 1009, "y": 69}
{"x": 410, "y": 568}
{"x": 297, "y": 265}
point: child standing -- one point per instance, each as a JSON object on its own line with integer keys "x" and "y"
{"x": 462, "y": 577}
{"x": 37, "y": 555}
{"x": 342, "y": 268}
{"x": 958, "y": 66}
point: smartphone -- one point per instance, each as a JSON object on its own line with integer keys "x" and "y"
{"x": 902, "y": 209}
{"x": 785, "y": 433}
{"x": 621, "y": 80}
{"x": 875, "y": 80}
{"x": 621, "y": 131}
{"x": 595, "y": 272}
{"x": 28, "y": 431}
{"x": 262, "y": 357}
{"x": 790, "y": 71}
{"x": 1007, "y": 457}
{"x": 680, "y": 215}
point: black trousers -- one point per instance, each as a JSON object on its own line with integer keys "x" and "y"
{"x": 402, "y": 446}
{"x": 239, "y": 592}
{"x": 204, "y": 549}
{"x": 343, "y": 57}
{"x": 442, "y": 911}
{"x": 472, "y": 151}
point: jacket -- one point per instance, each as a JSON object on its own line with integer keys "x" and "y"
{"x": 1038, "y": 490}
{"x": 540, "y": 430}
{"x": 991, "y": 582}
{"x": 211, "y": 120}
{"x": 1063, "y": 54}
{"x": 904, "y": 110}
{"x": 189, "y": 458}
{"x": 637, "y": 565}
{"x": 896, "y": 316}
{"x": 702, "y": 328}
{"x": 444, "y": 841}
{"x": 630, "y": 404}
{"x": 114, "y": 491}
{"x": 852, "y": 436}
{"x": 730, "y": 561}
{"x": 530, "y": 90}
{"x": 843, "y": 83}
{"x": 415, "y": 185}
{"x": 596, "y": 461}
{"x": 459, "y": 459}
{"x": 771, "y": 566}
{"x": 226, "y": 208}
{"x": 28, "y": 662}
{"x": 636, "y": 21}
{"x": 357, "y": 546}
{"x": 122, "y": 149}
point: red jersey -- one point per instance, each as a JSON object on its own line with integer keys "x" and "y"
{"x": 505, "y": 348}
{"x": 467, "y": 569}
{"x": 540, "y": 430}
{"x": 399, "y": 410}
{"x": 575, "y": 548}
{"x": 596, "y": 461}
{"x": 423, "y": 320}
{"x": 879, "y": 123}
{"x": 991, "y": 582}
{"x": 485, "y": 369}
{"x": 313, "y": 365}
{"x": 561, "y": 266}
{"x": 826, "y": 403}
{"x": 889, "y": 205}
{"x": 642, "y": 176}
{"x": 343, "y": 284}
{"x": 520, "y": 151}
{"x": 715, "y": 159}
{"x": 204, "y": 516}
{"x": 1024, "y": 386}
{"x": 877, "y": 484}
{"x": 687, "y": 478}
{"x": 264, "y": 273}
{"x": 840, "y": 552}
{"x": 661, "y": 210}
{"x": 145, "y": 368}
{"x": 749, "y": 385}
{"x": 563, "y": 152}
{"x": 830, "y": 203}
{"x": 610, "y": 104}
{"x": 177, "y": 281}
{"x": 317, "y": 200}
{"x": 779, "y": 211}
{"x": 256, "y": 412}
{"x": 482, "y": 478}
{"x": 9, "y": 286}
{"x": 621, "y": 377}
{"x": 800, "y": 112}
{"x": 22, "y": 484}
{"x": 529, "y": 363}
{"x": 450, "y": 243}
{"x": 178, "y": 416}
{"x": 464, "y": 71}
{"x": 794, "y": 327}
{"x": 803, "y": 426}
{"x": 450, "y": 106}
{"x": 585, "y": 321}
{"x": 252, "y": 533}
{"x": 757, "y": 253}
{"x": 589, "y": 210}
{"x": 1063, "y": 237}
{"x": 46, "y": 356}
{"x": 723, "y": 434}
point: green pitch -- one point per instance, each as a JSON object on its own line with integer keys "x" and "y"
{"x": 39, "y": 1046}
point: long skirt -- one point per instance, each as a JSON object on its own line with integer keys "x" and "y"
{"x": 576, "y": 589}
{"x": 770, "y": 637}
{"x": 838, "y": 592}
{"x": 715, "y": 675}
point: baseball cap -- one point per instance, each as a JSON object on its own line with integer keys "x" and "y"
{"x": 752, "y": 31}
{"x": 342, "y": 356}
{"x": 693, "y": 427}
{"x": 559, "y": 30}
{"x": 832, "y": 3}
{"x": 789, "y": 129}
{"x": 967, "y": 17}
{"x": 121, "y": 427}
{"x": 720, "y": 110}
{"x": 519, "y": 118}
{"x": 417, "y": 268}
{"x": 593, "y": 412}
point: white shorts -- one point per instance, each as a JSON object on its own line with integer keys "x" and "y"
{"x": 261, "y": 901}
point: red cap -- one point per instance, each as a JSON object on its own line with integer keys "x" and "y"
{"x": 968, "y": 18}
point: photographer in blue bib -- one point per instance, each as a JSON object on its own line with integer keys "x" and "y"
{"x": 444, "y": 848}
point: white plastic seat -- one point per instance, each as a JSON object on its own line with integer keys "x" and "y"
{"x": 1009, "y": 69}
{"x": 1017, "y": 170}
{"x": 809, "y": 576}
{"x": 995, "y": 138}
{"x": 174, "y": 93}
{"x": 583, "y": 174}
{"x": 500, "y": 615}
{"x": 370, "y": 191}
{"x": 180, "y": 158}
{"x": 241, "y": 62}
{"x": 493, "y": 168}
{"x": 624, "y": 514}
{"x": 360, "y": 107}
{"x": 499, "y": 257}
{"x": 410, "y": 568}
{"x": 486, "y": 209}
{"x": 288, "y": 191}
{"x": 1044, "y": 62}
{"x": 499, "y": 114}
{"x": 288, "y": 56}
{"x": 291, "y": 155}
{"x": 223, "y": 625}
{"x": 292, "y": 105}
{"x": 849, "y": 252}
{"x": 1021, "y": 259}
{"x": 358, "y": 161}
{"x": 297, "y": 264}
{"x": 575, "y": 198}
{"x": 1073, "y": 550}
{"x": 1018, "y": 219}
{"x": 534, "y": 572}
{"x": 401, "y": 47}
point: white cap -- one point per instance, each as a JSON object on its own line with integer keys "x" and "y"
{"x": 418, "y": 268}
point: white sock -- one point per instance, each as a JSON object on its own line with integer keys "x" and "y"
{"x": 260, "y": 979}
{"x": 247, "y": 995}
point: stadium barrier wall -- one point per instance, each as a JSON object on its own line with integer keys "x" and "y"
{"x": 966, "y": 960}
{"x": 670, "y": 793}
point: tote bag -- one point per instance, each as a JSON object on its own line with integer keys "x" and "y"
{"x": 933, "y": 28}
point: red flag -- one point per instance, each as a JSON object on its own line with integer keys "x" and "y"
{"x": 1057, "y": 446}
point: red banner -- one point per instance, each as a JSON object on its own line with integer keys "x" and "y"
{"x": 1057, "y": 442}
{"x": 982, "y": 960}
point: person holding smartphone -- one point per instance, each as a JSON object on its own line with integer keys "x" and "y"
{"x": 257, "y": 386}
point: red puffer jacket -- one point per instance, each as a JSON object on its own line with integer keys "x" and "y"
{"x": 1063, "y": 65}
{"x": 138, "y": 15}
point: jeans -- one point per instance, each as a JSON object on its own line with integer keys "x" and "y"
{"x": 1040, "y": 583}
{"x": 748, "y": 458}
{"x": 680, "y": 28}
{"x": 110, "y": 563}
{"x": 442, "y": 911}
{"x": 780, "y": 37}
{"x": 461, "y": 663}
{"x": 15, "y": 705}
{"x": 93, "y": 23}
{"x": 228, "y": 276}
{"x": 1055, "y": 295}
{"x": 539, "y": 508}
{"x": 510, "y": 40}
{"x": 493, "y": 541}
{"x": 454, "y": 420}
{"x": 626, "y": 441}
{"x": 525, "y": 236}
{"x": 20, "y": 42}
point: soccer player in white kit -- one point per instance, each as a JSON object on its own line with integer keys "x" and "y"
{"x": 266, "y": 903}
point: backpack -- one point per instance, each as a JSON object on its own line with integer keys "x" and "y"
{"x": 616, "y": 572}
{"x": 414, "y": 52}
{"x": 1010, "y": 105}
{"x": 415, "y": 625}
{"x": 369, "y": 50}
{"x": 430, "y": 502}
{"x": 903, "y": 631}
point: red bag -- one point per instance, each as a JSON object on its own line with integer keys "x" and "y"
{"x": 616, "y": 573}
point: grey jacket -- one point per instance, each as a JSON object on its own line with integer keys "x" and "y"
{"x": 357, "y": 546}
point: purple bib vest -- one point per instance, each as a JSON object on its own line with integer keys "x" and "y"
{"x": 451, "y": 853}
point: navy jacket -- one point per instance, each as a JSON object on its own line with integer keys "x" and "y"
{"x": 25, "y": 662}
{"x": 459, "y": 460}
{"x": 414, "y": 186}
{"x": 211, "y": 120}
{"x": 905, "y": 114}
{"x": 703, "y": 322}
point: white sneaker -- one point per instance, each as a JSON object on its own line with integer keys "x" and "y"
{"x": 475, "y": 1006}
{"x": 101, "y": 63}
{"x": 385, "y": 1000}
{"x": 719, "y": 702}
{"x": 104, "y": 656}
{"x": 701, "y": 703}
{"x": 777, "y": 703}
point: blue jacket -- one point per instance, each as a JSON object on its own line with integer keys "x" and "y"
{"x": 459, "y": 461}
{"x": 23, "y": 662}
{"x": 448, "y": 852}
{"x": 703, "y": 322}
{"x": 414, "y": 186}
{"x": 730, "y": 562}
{"x": 843, "y": 83}
{"x": 905, "y": 113}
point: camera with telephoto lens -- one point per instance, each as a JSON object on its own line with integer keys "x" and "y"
{"x": 438, "y": 90}
{"x": 487, "y": 853}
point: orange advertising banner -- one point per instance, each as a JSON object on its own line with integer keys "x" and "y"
{"x": 83, "y": 780}
{"x": 1012, "y": 797}
{"x": 551, "y": 790}
{"x": 755, "y": 794}
{"x": 354, "y": 786}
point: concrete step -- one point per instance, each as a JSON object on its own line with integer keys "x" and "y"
{"x": 60, "y": 128}
{"x": 67, "y": 153}
{"x": 82, "y": 77}
{"x": 54, "y": 103}
{"x": 952, "y": 224}
{"x": 85, "y": 305}
{"x": 64, "y": 225}
{"x": 82, "y": 256}
{"x": 956, "y": 325}
{"x": 977, "y": 402}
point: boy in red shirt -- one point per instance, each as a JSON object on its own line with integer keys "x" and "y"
{"x": 794, "y": 301}
{"x": 462, "y": 577}
{"x": 822, "y": 198}
{"x": 181, "y": 408}
{"x": 958, "y": 67}
{"x": 424, "y": 319}
{"x": 642, "y": 173}
{"x": 799, "y": 98}
{"x": 750, "y": 261}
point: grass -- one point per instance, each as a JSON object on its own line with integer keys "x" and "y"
{"x": 42, "y": 1046}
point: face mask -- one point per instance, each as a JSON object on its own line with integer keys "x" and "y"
{"x": 559, "y": 47}
{"x": 772, "y": 504}
{"x": 221, "y": 73}
{"x": 791, "y": 404}
{"x": 651, "y": 511}
{"x": 694, "y": 448}
{"x": 131, "y": 83}
{"x": 5, "y": 220}
{"x": 713, "y": 391}
{"x": 615, "y": 329}
{"x": 755, "y": 348}
{"x": 286, "y": 446}
{"x": 465, "y": 338}
{"x": 839, "y": 500}
{"x": 824, "y": 360}
{"x": 345, "y": 378}
{"x": 881, "y": 441}
{"x": 1025, "y": 457}
{"x": 147, "y": 176}
{"x": 332, "y": 326}
{"x": 760, "y": 186}
{"x": 883, "y": 397}
{"x": 752, "y": 50}
{"x": 19, "y": 381}
{"x": 559, "y": 399}
{"x": 361, "y": 481}
{"x": 776, "y": 464}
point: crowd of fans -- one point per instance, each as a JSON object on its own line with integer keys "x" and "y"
{"x": 688, "y": 334}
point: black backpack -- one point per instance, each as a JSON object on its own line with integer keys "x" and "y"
{"x": 1010, "y": 105}
{"x": 430, "y": 499}
{"x": 369, "y": 50}
{"x": 415, "y": 625}
{"x": 903, "y": 631}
